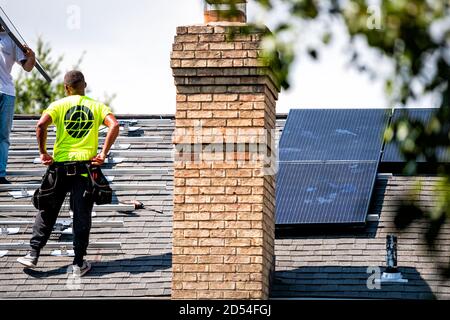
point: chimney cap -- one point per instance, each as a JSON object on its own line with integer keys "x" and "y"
{"x": 225, "y": 11}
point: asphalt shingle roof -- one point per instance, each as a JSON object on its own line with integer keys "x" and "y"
{"x": 142, "y": 268}
{"x": 321, "y": 263}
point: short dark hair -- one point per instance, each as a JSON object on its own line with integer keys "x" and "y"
{"x": 73, "y": 78}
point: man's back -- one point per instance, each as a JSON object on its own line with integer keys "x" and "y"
{"x": 77, "y": 119}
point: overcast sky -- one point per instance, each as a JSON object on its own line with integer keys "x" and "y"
{"x": 128, "y": 46}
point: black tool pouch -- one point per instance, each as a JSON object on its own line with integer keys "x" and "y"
{"x": 44, "y": 197}
{"x": 101, "y": 191}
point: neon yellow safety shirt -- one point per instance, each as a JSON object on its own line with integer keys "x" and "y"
{"x": 77, "y": 120}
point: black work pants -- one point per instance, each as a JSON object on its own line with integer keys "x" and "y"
{"x": 81, "y": 204}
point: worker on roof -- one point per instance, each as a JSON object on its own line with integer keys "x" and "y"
{"x": 9, "y": 55}
{"x": 77, "y": 119}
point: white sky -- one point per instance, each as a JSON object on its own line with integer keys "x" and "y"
{"x": 128, "y": 48}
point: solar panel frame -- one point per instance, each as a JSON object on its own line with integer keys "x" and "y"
{"x": 325, "y": 192}
{"x": 343, "y": 134}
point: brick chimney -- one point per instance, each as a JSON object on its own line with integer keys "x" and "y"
{"x": 224, "y": 196}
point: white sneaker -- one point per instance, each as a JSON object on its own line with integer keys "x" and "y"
{"x": 28, "y": 261}
{"x": 79, "y": 272}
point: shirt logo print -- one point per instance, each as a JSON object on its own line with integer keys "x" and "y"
{"x": 79, "y": 121}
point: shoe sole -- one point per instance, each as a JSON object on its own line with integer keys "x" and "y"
{"x": 85, "y": 270}
{"x": 26, "y": 264}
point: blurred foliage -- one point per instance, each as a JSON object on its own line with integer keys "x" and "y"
{"x": 414, "y": 35}
{"x": 33, "y": 93}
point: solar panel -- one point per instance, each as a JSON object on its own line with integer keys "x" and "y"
{"x": 333, "y": 134}
{"x": 328, "y": 165}
{"x": 324, "y": 193}
{"x": 391, "y": 151}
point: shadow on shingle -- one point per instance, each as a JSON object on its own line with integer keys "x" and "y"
{"x": 347, "y": 282}
{"x": 137, "y": 265}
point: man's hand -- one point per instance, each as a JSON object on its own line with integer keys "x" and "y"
{"x": 99, "y": 159}
{"x": 46, "y": 159}
{"x": 29, "y": 53}
{"x": 30, "y": 62}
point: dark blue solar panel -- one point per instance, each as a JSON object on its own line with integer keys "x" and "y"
{"x": 324, "y": 193}
{"x": 333, "y": 134}
{"x": 392, "y": 152}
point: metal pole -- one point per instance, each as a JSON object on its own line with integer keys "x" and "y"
{"x": 391, "y": 253}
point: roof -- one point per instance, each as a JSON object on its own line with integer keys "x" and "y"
{"x": 142, "y": 268}
{"x": 320, "y": 264}
{"x": 338, "y": 263}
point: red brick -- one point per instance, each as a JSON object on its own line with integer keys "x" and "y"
{"x": 199, "y": 98}
{"x": 183, "y": 259}
{"x": 222, "y": 268}
{"x": 222, "y": 46}
{"x": 225, "y": 114}
{"x": 195, "y": 268}
{"x": 222, "y": 285}
{"x": 183, "y": 294}
{"x": 211, "y": 207}
{"x": 239, "y": 122}
{"x": 199, "y": 114}
{"x": 223, "y": 199}
{"x": 237, "y": 242}
{"x": 223, "y": 233}
{"x": 196, "y": 233}
{"x": 195, "y": 285}
{"x": 211, "y": 225}
{"x": 237, "y": 295}
{"x": 210, "y": 259}
{"x": 185, "y": 224}
{"x": 223, "y": 216}
{"x": 211, "y": 242}
{"x": 197, "y": 216}
{"x": 225, "y": 97}
{"x": 212, "y": 190}
{"x": 239, "y": 190}
{"x": 186, "y": 38}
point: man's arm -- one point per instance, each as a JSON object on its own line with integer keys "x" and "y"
{"x": 30, "y": 61}
{"x": 41, "y": 135}
{"x": 113, "y": 132}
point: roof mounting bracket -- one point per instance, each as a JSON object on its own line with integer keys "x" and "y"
{"x": 21, "y": 194}
{"x": 135, "y": 131}
{"x": 373, "y": 218}
{"x": 63, "y": 252}
{"x": 4, "y": 230}
{"x": 62, "y": 225}
{"x": 112, "y": 160}
{"x": 127, "y": 122}
{"x": 118, "y": 146}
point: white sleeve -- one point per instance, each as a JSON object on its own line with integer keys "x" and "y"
{"x": 19, "y": 55}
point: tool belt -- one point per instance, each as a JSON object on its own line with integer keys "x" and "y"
{"x": 44, "y": 197}
{"x": 101, "y": 191}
